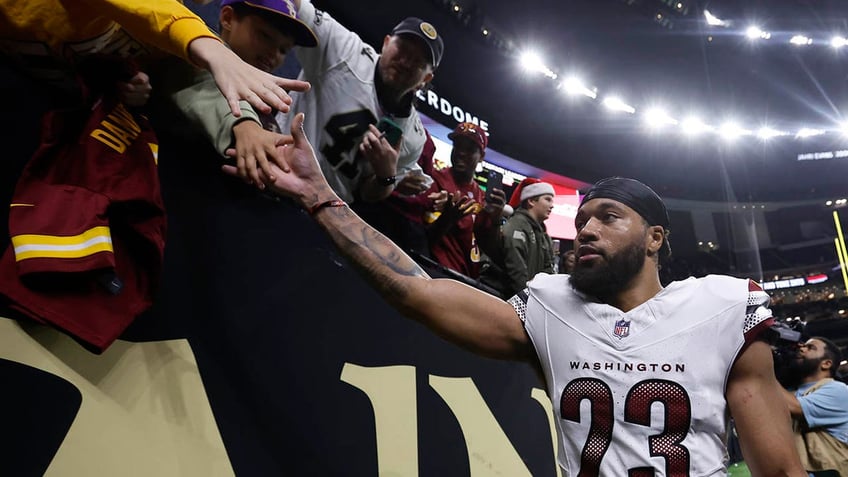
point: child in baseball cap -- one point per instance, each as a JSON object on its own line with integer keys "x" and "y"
{"x": 261, "y": 32}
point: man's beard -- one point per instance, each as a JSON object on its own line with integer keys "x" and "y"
{"x": 801, "y": 368}
{"x": 610, "y": 275}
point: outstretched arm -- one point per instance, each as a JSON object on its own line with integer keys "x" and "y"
{"x": 761, "y": 416}
{"x": 238, "y": 80}
{"x": 171, "y": 27}
{"x": 461, "y": 314}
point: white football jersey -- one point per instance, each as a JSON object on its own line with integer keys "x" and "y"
{"x": 343, "y": 102}
{"x": 642, "y": 392}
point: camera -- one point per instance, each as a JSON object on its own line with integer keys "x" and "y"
{"x": 784, "y": 340}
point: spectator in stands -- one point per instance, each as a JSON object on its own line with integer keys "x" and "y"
{"x": 465, "y": 220}
{"x": 260, "y": 32}
{"x": 77, "y": 29}
{"x": 643, "y": 376}
{"x": 354, "y": 88}
{"x": 819, "y": 407}
{"x": 526, "y": 248}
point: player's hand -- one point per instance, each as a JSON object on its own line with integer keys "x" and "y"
{"x": 305, "y": 183}
{"x": 136, "y": 91}
{"x": 254, "y": 147}
{"x": 238, "y": 80}
{"x": 413, "y": 183}
{"x": 382, "y": 155}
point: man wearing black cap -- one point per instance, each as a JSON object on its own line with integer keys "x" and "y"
{"x": 352, "y": 89}
{"x": 643, "y": 378}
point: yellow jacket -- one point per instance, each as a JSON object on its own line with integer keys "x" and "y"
{"x": 68, "y": 27}
{"x": 44, "y": 37}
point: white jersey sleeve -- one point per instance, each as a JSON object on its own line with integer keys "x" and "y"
{"x": 642, "y": 391}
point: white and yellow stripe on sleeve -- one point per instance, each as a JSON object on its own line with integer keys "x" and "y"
{"x": 93, "y": 240}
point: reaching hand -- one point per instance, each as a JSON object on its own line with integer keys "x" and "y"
{"x": 305, "y": 183}
{"x": 254, "y": 145}
{"x": 238, "y": 80}
{"x": 136, "y": 91}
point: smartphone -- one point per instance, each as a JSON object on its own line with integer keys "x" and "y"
{"x": 494, "y": 180}
{"x": 392, "y": 129}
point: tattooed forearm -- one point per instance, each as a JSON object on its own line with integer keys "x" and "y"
{"x": 379, "y": 260}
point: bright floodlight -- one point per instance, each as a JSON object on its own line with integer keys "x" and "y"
{"x": 572, "y": 85}
{"x": 843, "y": 128}
{"x": 801, "y": 40}
{"x": 838, "y": 42}
{"x": 532, "y": 62}
{"x": 809, "y": 132}
{"x": 755, "y": 33}
{"x": 713, "y": 20}
{"x": 731, "y": 130}
{"x": 693, "y": 125}
{"x": 656, "y": 118}
{"x": 616, "y": 104}
{"x": 766, "y": 132}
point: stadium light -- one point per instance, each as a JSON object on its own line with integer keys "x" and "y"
{"x": 755, "y": 33}
{"x": 838, "y": 42}
{"x": 533, "y": 63}
{"x": 573, "y": 86}
{"x": 656, "y": 118}
{"x": 809, "y": 132}
{"x": 731, "y": 130}
{"x": 766, "y": 132}
{"x": 713, "y": 20}
{"x": 801, "y": 40}
{"x": 693, "y": 125}
{"x": 615, "y": 103}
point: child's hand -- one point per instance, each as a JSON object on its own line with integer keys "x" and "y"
{"x": 256, "y": 146}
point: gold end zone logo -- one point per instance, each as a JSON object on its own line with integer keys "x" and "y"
{"x": 428, "y": 30}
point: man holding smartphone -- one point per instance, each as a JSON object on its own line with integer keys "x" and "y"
{"x": 353, "y": 88}
{"x": 461, "y": 219}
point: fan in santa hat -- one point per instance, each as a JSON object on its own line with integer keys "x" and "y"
{"x": 527, "y": 189}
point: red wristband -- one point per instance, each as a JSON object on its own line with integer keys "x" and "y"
{"x": 329, "y": 203}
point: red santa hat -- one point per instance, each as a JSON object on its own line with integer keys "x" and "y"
{"x": 529, "y": 188}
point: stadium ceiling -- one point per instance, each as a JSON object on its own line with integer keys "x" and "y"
{"x": 747, "y": 88}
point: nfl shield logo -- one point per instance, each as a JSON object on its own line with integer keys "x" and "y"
{"x": 622, "y": 329}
